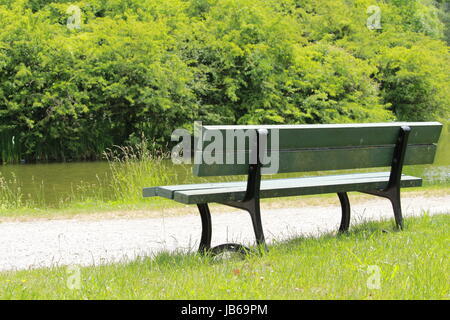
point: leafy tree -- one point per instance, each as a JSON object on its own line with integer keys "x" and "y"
{"x": 145, "y": 67}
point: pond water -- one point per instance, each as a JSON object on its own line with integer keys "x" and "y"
{"x": 54, "y": 181}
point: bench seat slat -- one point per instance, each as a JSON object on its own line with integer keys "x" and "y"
{"x": 293, "y": 187}
{"x": 168, "y": 191}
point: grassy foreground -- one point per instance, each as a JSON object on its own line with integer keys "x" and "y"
{"x": 373, "y": 261}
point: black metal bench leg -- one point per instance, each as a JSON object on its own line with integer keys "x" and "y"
{"x": 255, "y": 214}
{"x": 393, "y": 194}
{"x": 345, "y": 205}
{"x": 205, "y": 242}
{"x": 392, "y": 191}
{"x": 253, "y": 208}
{"x": 397, "y": 206}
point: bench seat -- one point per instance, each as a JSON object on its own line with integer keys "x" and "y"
{"x": 235, "y": 191}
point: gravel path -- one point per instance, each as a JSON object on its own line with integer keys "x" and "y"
{"x": 25, "y": 245}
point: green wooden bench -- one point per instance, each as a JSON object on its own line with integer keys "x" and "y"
{"x": 304, "y": 148}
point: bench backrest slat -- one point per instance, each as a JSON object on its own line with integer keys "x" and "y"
{"x": 324, "y": 147}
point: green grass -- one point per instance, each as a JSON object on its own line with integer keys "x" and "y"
{"x": 413, "y": 264}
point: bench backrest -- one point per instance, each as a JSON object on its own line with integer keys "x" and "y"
{"x": 321, "y": 147}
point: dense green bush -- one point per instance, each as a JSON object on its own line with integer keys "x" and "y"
{"x": 146, "y": 67}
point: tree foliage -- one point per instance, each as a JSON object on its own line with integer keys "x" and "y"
{"x": 145, "y": 67}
